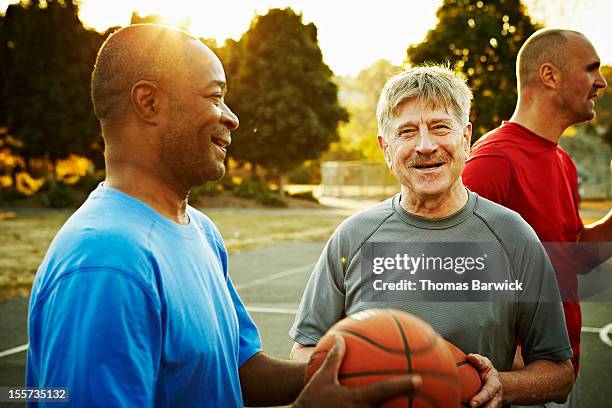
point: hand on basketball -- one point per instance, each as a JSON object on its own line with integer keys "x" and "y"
{"x": 490, "y": 395}
{"x": 324, "y": 390}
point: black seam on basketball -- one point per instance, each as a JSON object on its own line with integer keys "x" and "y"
{"x": 461, "y": 363}
{"x": 406, "y": 350}
{"x": 426, "y": 397}
{"x": 431, "y": 345}
{"x": 371, "y": 373}
{"x": 372, "y": 342}
{"x": 430, "y": 374}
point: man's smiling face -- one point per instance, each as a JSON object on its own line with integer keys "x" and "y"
{"x": 426, "y": 148}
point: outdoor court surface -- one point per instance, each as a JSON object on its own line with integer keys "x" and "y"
{"x": 271, "y": 281}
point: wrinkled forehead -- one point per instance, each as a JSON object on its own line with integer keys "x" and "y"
{"x": 425, "y": 106}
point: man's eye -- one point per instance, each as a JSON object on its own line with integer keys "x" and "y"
{"x": 441, "y": 128}
{"x": 217, "y": 98}
{"x": 406, "y": 132}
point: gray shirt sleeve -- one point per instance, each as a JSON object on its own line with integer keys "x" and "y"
{"x": 540, "y": 322}
{"x": 322, "y": 304}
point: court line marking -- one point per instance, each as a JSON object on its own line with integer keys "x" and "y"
{"x": 273, "y": 310}
{"x": 274, "y": 276}
{"x": 604, "y": 332}
{"x": 13, "y": 350}
{"x": 590, "y": 329}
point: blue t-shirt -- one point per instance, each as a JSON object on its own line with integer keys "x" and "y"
{"x": 131, "y": 309}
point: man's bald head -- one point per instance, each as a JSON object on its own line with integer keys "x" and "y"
{"x": 134, "y": 53}
{"x": 544, "y": 46}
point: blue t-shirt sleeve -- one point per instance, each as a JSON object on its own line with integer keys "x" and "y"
{"x": 101, "y": 338}
{"x": 250, "y": 341}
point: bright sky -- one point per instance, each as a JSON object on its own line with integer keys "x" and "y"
{"x": 352, "y": 34}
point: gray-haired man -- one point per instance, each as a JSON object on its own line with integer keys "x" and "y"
{"x": 423, "y": 119}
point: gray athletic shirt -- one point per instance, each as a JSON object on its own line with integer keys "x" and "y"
{"x": 487, "y": 328}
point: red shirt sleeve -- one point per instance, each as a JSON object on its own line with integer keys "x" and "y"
{"x": 488, "y": 175}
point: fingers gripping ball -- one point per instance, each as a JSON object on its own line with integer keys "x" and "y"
{"x": 468, "y": 375}
{"x": 385, "y": 343}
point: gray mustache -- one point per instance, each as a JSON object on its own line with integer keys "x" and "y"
{"x": 420, "y": 159}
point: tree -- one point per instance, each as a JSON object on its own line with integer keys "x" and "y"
{"x": 480, "y": 39}
{"x": 283, "y": 94}
{"x": 46, "y": 58}
{"x": 360, "y": 97}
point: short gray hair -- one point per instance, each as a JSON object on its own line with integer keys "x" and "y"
{"x": 437, "y": 86}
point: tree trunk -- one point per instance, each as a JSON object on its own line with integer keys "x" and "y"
{"x": 14, "y": 171}
{"x": 280, "y": 180}
{"x": 50, "y": 164}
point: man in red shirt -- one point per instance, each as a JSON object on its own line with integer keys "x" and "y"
{"x": 520, "y": 164}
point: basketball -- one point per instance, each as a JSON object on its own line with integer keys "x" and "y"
{"x": 386, "y": 343}
{"x": 468, "y": 375}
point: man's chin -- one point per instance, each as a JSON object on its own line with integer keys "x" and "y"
{"x": 219, "y": 174}
{"x": 586, "y": 117}
{"x": 213, "y": 174}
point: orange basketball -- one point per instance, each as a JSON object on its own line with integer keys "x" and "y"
{"x": 468, "y": 375}
{"x": 386, "y": 343}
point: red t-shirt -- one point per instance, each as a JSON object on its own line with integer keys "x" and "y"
{"x": 536, "y": 178}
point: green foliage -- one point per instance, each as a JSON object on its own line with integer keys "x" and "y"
{"x": 271, "y": 199}
{"x": 9, "y": 195}
{"x": 250, "y": 188}
{"x": 227, "y": 183}
{"x": 258, "y": 190}
{"x": 282, "y": 92}
{"x": 305, "y": 173}
{"x": 480, "y": 39}
{"x": 89, "y": 182}
{"x": 231, "y": 55}
{"x": 305, "y": 195}
{"x": 360, "y": 96}
{"x": 59, "y": 195}
{"x": 210, "y": 189}
{"x": 46, "y": 58}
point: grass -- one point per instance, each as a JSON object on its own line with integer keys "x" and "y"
{"x": 255, "y": 229}
{"x": 25, "y": 238}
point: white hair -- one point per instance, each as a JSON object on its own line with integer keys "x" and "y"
{"x": 437, "y": 86}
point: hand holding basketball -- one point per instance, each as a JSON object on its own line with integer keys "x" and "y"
{"x": 383, "y": 344}
{"x": 490, "y": 395}
{"x": 324, "y": 389}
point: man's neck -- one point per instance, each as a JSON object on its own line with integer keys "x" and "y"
{"x": 541, "y": 118}
{"x": 435, "y": 206}
{"x": 143, "y": 183}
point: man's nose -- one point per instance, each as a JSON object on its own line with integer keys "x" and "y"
{"x": 229, "y": 118}
{"x": 600, "y": 81}
{"x": 426, "y": 144}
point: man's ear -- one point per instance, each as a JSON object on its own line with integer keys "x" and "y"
{"x": 549, "y": 75}
{"x": 384, "y": 146}
{"x": 146, "y": 101}
{"x": 467, "y": 137}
